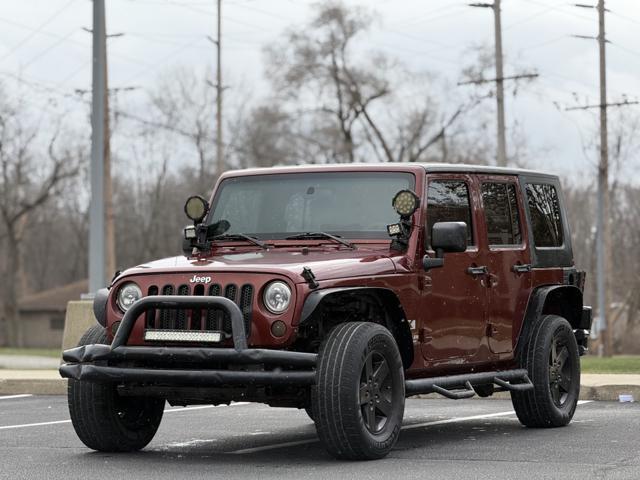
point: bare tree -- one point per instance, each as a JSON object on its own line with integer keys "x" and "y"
{"x": 28, "y": 180}
{"x": 358, "y": 98}
{"x": 185, "y": 102}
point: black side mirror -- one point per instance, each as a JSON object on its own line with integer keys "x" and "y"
{"x": 446, "y": 237}
{"x": 449, "y": 237}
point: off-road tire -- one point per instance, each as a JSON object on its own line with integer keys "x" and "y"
{"x": 352, "y": 354}
{"x": 104, "y": 420}
{"x": 553, "y": 400}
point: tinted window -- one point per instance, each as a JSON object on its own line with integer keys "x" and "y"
{"x": 501, "y": 212}
{"x": 448, "y": 201}
{"x": 544, "y": 209}
{"x": 350, "y": 204}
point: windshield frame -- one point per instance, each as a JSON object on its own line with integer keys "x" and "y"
{"x": 281, "y": 236}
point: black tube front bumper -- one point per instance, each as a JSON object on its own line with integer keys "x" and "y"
{"x": 198, "y": 366}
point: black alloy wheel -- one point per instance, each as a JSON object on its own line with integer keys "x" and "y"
{"x": 375, "y": 392}
{"x": 560, "y": 370}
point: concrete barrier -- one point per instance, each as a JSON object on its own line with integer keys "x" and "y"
{"x": 78, "y": 319}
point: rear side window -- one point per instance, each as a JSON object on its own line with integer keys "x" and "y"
{"x": 544, "y": 208}
{"x": 501, "y": 212}
{"x": 448, "y": 201}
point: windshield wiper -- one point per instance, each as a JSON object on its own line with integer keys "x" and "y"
{"x": 240, "y": 236}
{"x": 312, "y": 235}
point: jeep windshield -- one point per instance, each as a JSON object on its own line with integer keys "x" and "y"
{"x": 274, "y": 207}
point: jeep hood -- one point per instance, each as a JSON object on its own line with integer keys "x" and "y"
{"x": 325, "y": 264}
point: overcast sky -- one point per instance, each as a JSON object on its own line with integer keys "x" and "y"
{"x": 42, "y": 41}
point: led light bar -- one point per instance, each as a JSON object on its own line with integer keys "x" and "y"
{"x": 182, "y": 336}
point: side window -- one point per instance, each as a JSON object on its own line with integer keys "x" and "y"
{"x": 501, "y": 212}
{"x": 448, "y": 201}
{"x": 544, "y": 209}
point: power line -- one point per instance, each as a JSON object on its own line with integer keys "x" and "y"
{"x": 117, "y": 112}
{"x": 47, "y": 50}
{"x": 623, "y": 103}
{"x": 492, "y": 80}
{"x": 38, "y": 29}
{"x": 150, "y": 67}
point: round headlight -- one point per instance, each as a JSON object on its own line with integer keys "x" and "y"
{"x": 277, "y": 297}
{"x": 128, "y": 294}
{"x": 405, "y": 203}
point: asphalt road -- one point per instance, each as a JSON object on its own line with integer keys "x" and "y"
{"x": 469, "y": 439}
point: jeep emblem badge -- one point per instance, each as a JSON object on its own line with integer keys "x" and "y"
{"x": 197, "y": 279}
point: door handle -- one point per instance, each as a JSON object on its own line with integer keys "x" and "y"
{"x": 478, "y": 270}
{"x": 519, "y": 268}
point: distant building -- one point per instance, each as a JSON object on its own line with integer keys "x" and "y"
{"x": 42, "y": 314}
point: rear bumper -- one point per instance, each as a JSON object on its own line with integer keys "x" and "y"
{"x": 187, "y": 366}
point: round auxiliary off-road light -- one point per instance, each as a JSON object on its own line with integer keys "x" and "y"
{"x": 278, "y": 328}
{"x": 405, "y": 203}
{"x": 196, "y": 208}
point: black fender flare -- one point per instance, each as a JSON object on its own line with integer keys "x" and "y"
{"x": 100, "y": 306}
{"x": 402, "y": 331}
{"x": 536, "y": 307}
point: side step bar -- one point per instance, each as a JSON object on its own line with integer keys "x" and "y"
{"x": 462, "y": 386}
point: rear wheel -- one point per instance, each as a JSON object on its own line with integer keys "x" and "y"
{"x": 553, "y": 363}
{"x": 358, "y": 400}
{"x": 106, "y": 421}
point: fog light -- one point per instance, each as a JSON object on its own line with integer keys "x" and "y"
{"x": 114, "y": 328}
{"x": 278, "y": 328}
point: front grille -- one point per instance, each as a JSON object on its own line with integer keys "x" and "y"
{"x": 199, "y": 319}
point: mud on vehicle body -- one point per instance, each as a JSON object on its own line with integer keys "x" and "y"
{"x": 302, "y": 287}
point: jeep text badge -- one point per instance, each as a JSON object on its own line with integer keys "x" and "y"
{"x": 197, "y": 279}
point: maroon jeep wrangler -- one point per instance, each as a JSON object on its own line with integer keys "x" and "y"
{"x": 342, "y": 290}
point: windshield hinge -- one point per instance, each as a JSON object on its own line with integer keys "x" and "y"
{"x": 309, "y": 276}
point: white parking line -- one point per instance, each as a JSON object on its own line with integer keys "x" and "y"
{"x": 25, "y": 425}
{"x": 168, "y": 410}
{"x": 9, "y": 397}
{"x": 406, "y": 427}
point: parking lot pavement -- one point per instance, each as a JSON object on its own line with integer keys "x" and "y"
{"x": 475, "y": 439}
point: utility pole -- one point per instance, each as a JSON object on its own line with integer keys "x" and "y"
{"x": 97, "y": 273}
{"x": 502, "y": 141}
{"x": 603, "y": 245}
{"x": 219, "y": 150}
{"x": 603, "y": 237}
{"x": 109, "y": 226}
{"x": 499, "y": 80}
{"x": 102, "y": 255}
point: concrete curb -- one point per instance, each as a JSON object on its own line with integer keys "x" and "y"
{"x": 58, "y": 386}
{"x": 34, "y": 386}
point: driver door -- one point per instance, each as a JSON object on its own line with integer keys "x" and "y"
{"x": 454, "y": 300}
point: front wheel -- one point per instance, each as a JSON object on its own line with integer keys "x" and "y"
{"x": 358, "y": 400}
{"x": 106, "y": 421}
{"x": 553, "y": 363}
